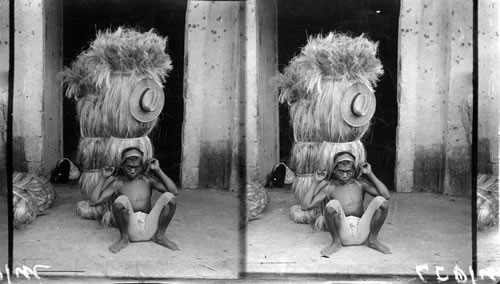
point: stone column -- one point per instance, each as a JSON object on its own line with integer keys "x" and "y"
{"x": 37, "y": 129}
{"x": 4, "y": 89}
{"x": 213, "y": 87}
{"x": 434, "y": 76}
{"x": 457, "y": 164}
{"x": 231, "y": 113}
{"x": 262, "y": 116}
{"x": 489, "y": 86}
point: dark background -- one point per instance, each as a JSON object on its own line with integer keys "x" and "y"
{"x": 297, "y": 19}
{"x": 82, "y": 20}
{"x": 378, "y": 20}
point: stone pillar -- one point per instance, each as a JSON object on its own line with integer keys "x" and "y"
{"x": 407, "y": 97}
{"x": 262, "y": 115}
{"x": 4, "y": 89}
{"x": 230, "y": 109}
{"x": 457, "y": 161}
{"x": 37, "y": 129}
{"x": 212, "y": 90}
{"x": 435, "y": 75}
{"x": 488, "y": 86}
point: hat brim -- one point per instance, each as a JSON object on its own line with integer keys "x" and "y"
{"x": 135, "y": 100}
{"x": 345, "y": 106}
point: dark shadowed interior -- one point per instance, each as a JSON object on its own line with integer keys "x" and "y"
{"x": 378, "y": 19}
{"x": 82, "y": 20}
{"x": 296, "y": 21}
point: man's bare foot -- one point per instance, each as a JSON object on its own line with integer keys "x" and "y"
{"x": 330, "y": 249}
{"x": 162, "y": 240}
{"x": 376, "y": 245}
{"x": 119, "y": 245}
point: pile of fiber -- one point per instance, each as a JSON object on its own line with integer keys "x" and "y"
{"x": 487, "y": 201}
{"x": 117, "y": 86}
{"x": 329, "y": 89}
{"x": 257, "y": 199}
{"x": 33, "y": 195}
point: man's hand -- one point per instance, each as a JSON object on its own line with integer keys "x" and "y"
{"x": 320, "y": 176}
{"x": 107, "y": 172}
{"x": 366, "y": 169}
{"x": 154, "y": 165}
{"x": 164, "y": 183}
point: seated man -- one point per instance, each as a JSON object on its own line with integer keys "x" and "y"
{"x": 137, "y": 220}
{"x": 345, "y": 217}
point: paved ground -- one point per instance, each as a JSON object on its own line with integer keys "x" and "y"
{"x": 488, "y": 249}
{"x": 204, "y": 227}
{"x": 421, "y": 228}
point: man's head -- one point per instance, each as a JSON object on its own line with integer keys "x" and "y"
{"x": 131, "y": 165}
{"x": 344, "y": 169}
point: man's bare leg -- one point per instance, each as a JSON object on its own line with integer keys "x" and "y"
{"x": 121, "y": 216}
{"x": 332, "y": 219}
{"x": 375, "y": 225}
{"x": 166, "y": 215}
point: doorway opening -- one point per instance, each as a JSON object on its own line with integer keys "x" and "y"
{"x": 83, "y": 19}
{"x": 378, "y": 20}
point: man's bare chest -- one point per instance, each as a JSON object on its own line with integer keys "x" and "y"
{"x": 137, "y": 190}
{"x": 350, "y": 193}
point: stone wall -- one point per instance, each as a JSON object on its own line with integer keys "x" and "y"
{"x": 4, "y": 88}
{"x": 212, "y": 91}
{"x": 37, "y": 126}
{"x": 230, "y": 114}
{"x": 489, "y": 86}
{"x": 435, "y": 75}
{"x": 262, "y": 137}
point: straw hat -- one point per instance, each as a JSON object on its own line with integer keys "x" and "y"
{"x": 358, "y": 105}
{"x": 146, "y": 100}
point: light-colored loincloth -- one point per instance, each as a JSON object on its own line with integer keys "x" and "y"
{"x": 353, "y": 222}
{"x": 143, "y": 226}
{"x": 141, "y": 220}
{"x": 354, "y": 230}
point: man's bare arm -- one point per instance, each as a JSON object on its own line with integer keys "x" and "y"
{"x": 316, "y": 194}
{"x": 378, "y": 188}
{"x": 165, "y": 183}
{"x": 103, "y": 191}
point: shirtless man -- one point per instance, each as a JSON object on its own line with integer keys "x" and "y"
{"x": 345, "y": 217}
{"x": 137, "y": 220}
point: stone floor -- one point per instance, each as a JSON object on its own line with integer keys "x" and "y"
{"x": 421, "y": 228}
{"x": 204, "y": 226}
{"x": 488, "y": 249}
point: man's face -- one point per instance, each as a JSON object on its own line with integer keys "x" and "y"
{"x": 344, "y": 172}
{"x": 132, "y": 168}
